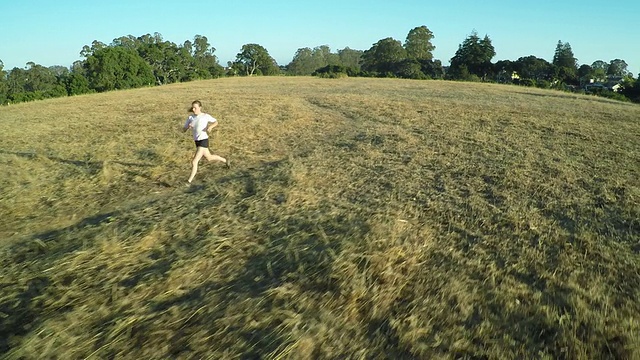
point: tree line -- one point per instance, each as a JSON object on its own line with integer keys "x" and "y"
{"x": 149, "y": 60}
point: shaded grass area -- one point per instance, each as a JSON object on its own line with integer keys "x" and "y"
{"x": 364, "y": 218}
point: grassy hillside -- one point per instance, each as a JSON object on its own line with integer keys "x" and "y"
{"x": 362, "y": 219}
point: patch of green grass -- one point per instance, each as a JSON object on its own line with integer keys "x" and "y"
{"x": 363, "y": 218}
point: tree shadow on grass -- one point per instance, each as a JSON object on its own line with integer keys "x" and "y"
{"x": 90, "y": 166}
{"x": 299, "y": 251}
{"x": 23, "y": 294}
{"x": 563, "y": 95}
{"x": 22, "y": 311}
{"x": 33, "y": 253}
{"x": 94, "y": 167}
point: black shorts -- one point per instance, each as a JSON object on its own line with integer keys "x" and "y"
{"x": 202, "y": 143}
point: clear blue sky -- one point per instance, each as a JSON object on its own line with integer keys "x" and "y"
{"x": 54, "y": 32}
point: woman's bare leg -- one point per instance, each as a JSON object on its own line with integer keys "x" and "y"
{"x": 200, "y": 151}
{"x": 213, "y": 157}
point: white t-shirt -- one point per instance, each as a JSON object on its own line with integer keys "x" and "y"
{"x": 199, "y": 123}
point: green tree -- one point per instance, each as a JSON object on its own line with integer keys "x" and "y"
{"x": 566, "y": 65}
{"x": 418, "y": 43}
{"x": 585, "y": 71}
{"x": 331, "y": 72}
{"x": 77, "y": 84}
{"x": 618, "y": 67}
{"x": 302, "y": 62}
{"x": 166, "y": 59}
{"x": 180, "y": 66}
{"x": 186, "y": 67}
{"x": 255, "y": 59}
{"x": 504, "y": 70}
{"x": 382, "y": 57}
{"x": 62, "y": 74}
{"x": 473, "y": 58}
{"x": 323, "y": 56}
{"x": 585, "y": 74}
{"x": 534, "y": 68}
{"x": 630, "y": 88}
{"x": 205, "y": 62}
{"x": 33, "y": 83}
{"x": 4, "y": 88}
{"x": 16, "y": 81}
{"x": 59, "y": 70}
{"x": 306, "y": 61}
{"x": 432, "y": 68}
{"x": 39, "y": 78}
{"x": 409, "y": 69}
{"x": 635, "y": 95}
{"x": 112, "y": 68}
{"x": 599, "y": 70}
{"x": 235, "y": 68}
{"x": 150, "y": 48}
{"x": 128, "y": 42}
{"x": 350, "y": 58}
{"x": 78, "y": 66}
{"x": 95, "y": 46}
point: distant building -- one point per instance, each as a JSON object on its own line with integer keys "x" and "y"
{"x": 612, "y": 83}
{"x": 507, "y": 77}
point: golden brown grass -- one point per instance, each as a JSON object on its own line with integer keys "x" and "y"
{"x": 363, "y": 219}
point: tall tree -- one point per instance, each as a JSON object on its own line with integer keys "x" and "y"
{"x": 473, "y": 57}
{"x": 78, "y": 66}
{"x": 418, "y": 43}
{"x": 302, "y": 62}
{"x": 618, "y": 67}
{"x": 163, "y": 56}
{"x": 563, "y": 56}
{"x": 599, "y": 64}
{"x": 205, "y": 62}
{"x": 112, "y": 68}
{"x": 504, "y": 70}
{"x": 95, "y": 46}
{"x": 306, "y": 60}
{"x": 77, "y": 84}
{"x": 432, "y": 68}
{"x": 383, "y": 56}
{"x": 17, "y": 79}
{"x": 409, "y": 69}
{"x": 33, "y": 83}
{"x": 585, "y": 74}
{"x": 59, "y": 70}
{"x": 255, "y": 59}
{"x": 599, "y": 69}
{"x": 323, "y": 56}
{"x": 4, "y": 89}
{"x": 585, "y": 71}
{"x": 635, "y": 96}
{"x": 39, "y": 78}
{"x": 129, "y": 42}
{"x": 565, "y": 63}
{"x": 534, "y": 68}
{"x": 179, "y": 66}
{"x": 350, "y": 58}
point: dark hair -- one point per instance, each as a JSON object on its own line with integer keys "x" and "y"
{"x": 193, "y": 103}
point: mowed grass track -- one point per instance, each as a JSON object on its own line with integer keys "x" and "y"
{"x": 362, "y": 219}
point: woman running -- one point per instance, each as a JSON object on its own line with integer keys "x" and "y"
{"x": 200, "y": 123}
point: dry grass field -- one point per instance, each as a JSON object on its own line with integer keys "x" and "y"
{"x": 361, "y": 219}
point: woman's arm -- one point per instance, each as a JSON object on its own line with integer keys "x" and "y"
{"x": 211, "y": 125}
